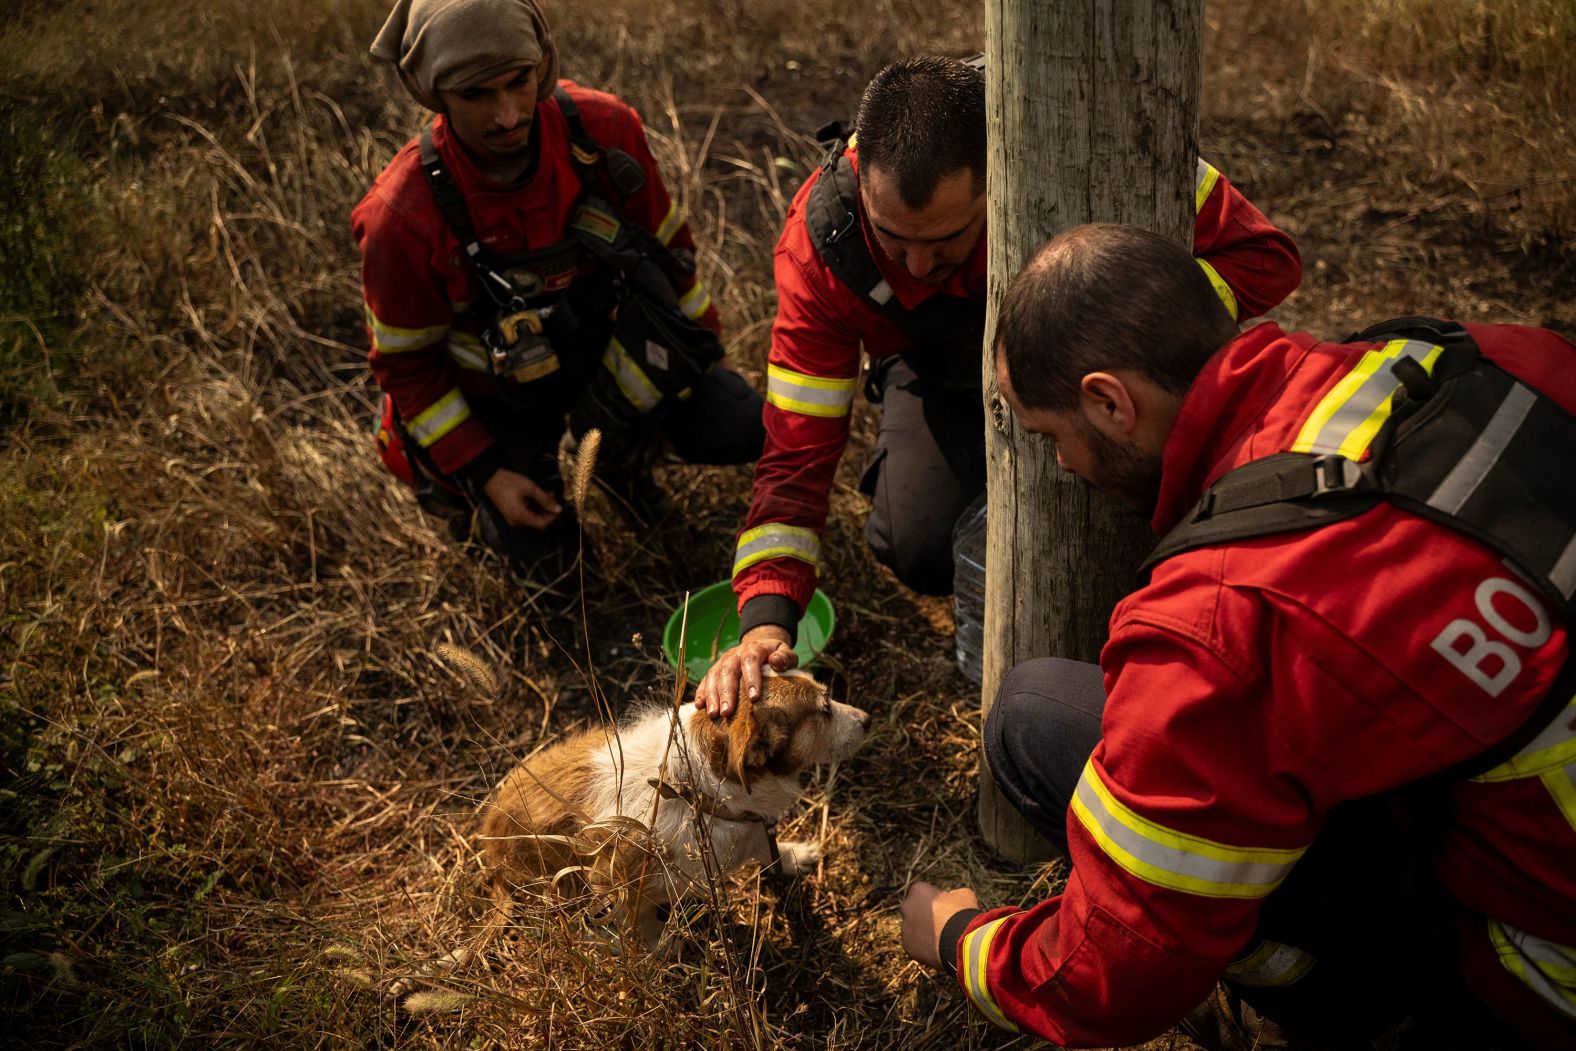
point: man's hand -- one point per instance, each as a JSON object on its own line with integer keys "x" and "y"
{"x": 521, "y": 501}
{"x": 740, "y": 669}
{"x": 926, "y": 909}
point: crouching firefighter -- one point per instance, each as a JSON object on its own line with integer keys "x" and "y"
{"x": 1328, "y": 759}
{"x": 524, "y": 265}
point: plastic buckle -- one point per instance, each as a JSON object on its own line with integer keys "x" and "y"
{"x": 1335, "y": 475}
{"x": 842, "y": 229}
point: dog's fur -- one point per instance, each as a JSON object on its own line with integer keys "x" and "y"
{"x": 746, "y": 764}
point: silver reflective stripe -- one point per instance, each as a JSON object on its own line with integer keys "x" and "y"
{"x": 1464, "y": 478}
{"x": 391, "y": 339}
{"x": 1564, "y": 572}
{"x": 1361, "y": 400}
{"x": 1173, "y": 859}
{"x": 976, "y": 966}
{"x": 467, "y": 352}
{"x": 670, "y": 224}
{"x": 881, "y": 293}
{"x": 775, "y": 541}
{"x": 1545, "y": 967}
{"x": 1203, "y": 183}
{"x": 441, "y": 417}
{"x": 810, "y": 395}
{"x": 631, "y": 380}
{"x": 695, "y": 302}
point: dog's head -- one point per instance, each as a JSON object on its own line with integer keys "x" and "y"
{"x": 793, "y": 724}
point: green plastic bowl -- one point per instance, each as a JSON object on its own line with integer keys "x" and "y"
{"x": 713, "y": 628}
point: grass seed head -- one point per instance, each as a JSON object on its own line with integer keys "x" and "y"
{"x": 470, "y": 667}
{"x": 585, "y": 464}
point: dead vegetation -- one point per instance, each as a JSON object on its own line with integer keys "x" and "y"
{"x": 243, "y": 760}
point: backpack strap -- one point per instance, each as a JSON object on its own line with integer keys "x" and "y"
{"x": 608, "y": 168}
{"x": 941, "y": 323}
{"x": 1466, "y": 444}
{"x": 451, "y": 202}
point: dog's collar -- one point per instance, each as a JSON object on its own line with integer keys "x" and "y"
{"x": 712, "y": 807}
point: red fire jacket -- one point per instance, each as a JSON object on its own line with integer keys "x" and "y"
{"x": 814, "y": 363}
{"x": 1250, "y": 689}
{"x": 426, "y": 353}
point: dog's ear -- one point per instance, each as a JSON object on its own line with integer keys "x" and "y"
{"x": 746, "y": 747}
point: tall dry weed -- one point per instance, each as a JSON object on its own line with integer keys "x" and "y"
{"x": 242, "y": 792}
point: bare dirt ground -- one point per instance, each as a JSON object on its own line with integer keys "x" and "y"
{"x": 241, "y": 784}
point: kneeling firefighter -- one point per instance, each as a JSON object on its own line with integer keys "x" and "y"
{"x": 523, "y": 264}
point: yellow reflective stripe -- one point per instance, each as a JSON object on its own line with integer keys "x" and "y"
{"x": 695, "y": 302}
{"x": 1223, "y": 290}
{"x": 584, "y": 156}
{"x": 1176, "y": 860}
{"x": 467, "y": 352}
{"x": 1554, "y": 747}
{"x": 1272, "y": 965}
{"x": 1204, "y": 185}
{"x": 631, "y": 380}
{"x": 976, "y": 959}
{"x": 1347, "y": 418}
{"x": 810, "y": 395}
{"x": 775, "y": 541}
{"x": 390, "y": 339}
{"x": 1545, "y": 967}
{"x": 441, "y": 417}
{"x": 669, "y": 226}
{"x": 1561, "y": 784}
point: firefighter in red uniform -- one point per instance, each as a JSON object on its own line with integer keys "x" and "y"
{"x": 1332, "y": 756}
{"x": 523, "y": 261}
{"x": 884, "y": 249}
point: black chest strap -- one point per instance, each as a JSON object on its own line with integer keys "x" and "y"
{"x": 1466, "y": 445}
{"x": 606, "y": 172}
{"x": 943, "y": 322}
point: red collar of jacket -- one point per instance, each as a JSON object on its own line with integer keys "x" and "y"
{"x": 968, "y": 282}
{"x": 528, "y": 214}
{"x": 549, "y": 131}
{"x": 1226, "y": 409}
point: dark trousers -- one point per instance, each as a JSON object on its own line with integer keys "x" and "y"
{"x": 928, "y": 466}
{"x": 719, "y": 423}
{"x": 1359, "y": 900}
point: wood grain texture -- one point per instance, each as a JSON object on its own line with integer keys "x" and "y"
{"x": 1093, "y": 110}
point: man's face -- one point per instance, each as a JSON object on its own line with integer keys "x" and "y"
{"x": 932, "y": 242}
{"x": 1116, "y": 466}
{"x": 493, "y": 119}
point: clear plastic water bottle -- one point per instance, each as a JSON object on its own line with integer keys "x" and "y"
{"x": 968, "y": 589}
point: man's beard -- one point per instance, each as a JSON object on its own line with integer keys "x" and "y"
{"x": 1123, "y": 471}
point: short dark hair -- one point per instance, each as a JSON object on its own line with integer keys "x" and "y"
{"x": 1103, "y": 297}
{"x": 921, "y": 120}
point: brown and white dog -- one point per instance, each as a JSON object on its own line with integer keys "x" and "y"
{"x": 704, "y": 788}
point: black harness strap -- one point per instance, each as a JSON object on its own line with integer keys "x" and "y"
{"x": 1469, "y": 446}
{"x": 451, "y": 202}
{"x": 613, "y": 169}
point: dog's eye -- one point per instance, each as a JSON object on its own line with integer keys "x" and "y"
{"x": 826, "y": 705}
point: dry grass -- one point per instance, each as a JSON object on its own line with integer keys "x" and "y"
{"x": 253, "y": 696}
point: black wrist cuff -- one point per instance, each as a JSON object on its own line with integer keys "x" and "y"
{"x": 476, "y": 473}
{"x": 771, "y": 609}
{"x": 951, "y": 934}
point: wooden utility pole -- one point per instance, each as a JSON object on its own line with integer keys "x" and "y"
{"x": 1093, "y": 111}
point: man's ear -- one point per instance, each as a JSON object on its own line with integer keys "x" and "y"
{"x": 746, "y": 747}
{"x": 1108, "y": 403}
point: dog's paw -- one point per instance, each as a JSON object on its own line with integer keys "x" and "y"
{"x": 798, "y": 859}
